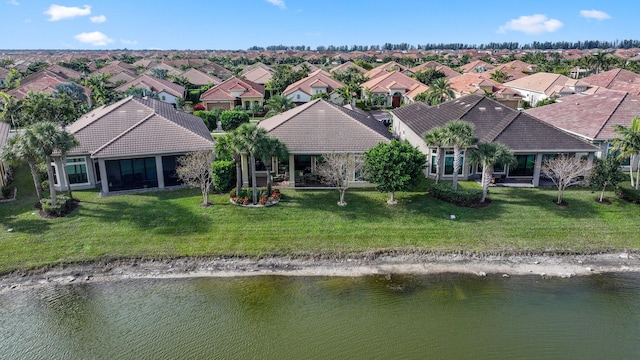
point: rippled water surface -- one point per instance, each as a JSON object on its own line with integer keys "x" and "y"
{"x": 375, "y": 317}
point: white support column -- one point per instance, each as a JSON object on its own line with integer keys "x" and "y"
{"x": 159, "y": 172}
{"x": 536, "y": 170}
{"x": 245, "y": 170}
{"x": 292, "y": 171}
{"x": 103, "y": 176}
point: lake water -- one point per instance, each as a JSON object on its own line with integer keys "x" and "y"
{"x": 373, "y": 317}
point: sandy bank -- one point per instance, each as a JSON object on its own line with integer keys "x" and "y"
{"x": 356, "y": 265}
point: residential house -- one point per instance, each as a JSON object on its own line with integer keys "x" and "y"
{"x": 384, "y": 69}
{"x": 313, "y": 129}
{"x": 43, "y": 81}
{"x": 258, "y": 73}
{"x": 122, "y": 77}
{"x": 198, "y": 78}
{"x": 65, "y": 72}
{"x": 4, "y": 136}
{"x": 113, "y": 68}
{"x": 390, "y": 88}
{"x": 317, "y": 82}
{"x": 616, "y": 79}
{"x": 309, "y": 66}
{"x": 532, "y": 140}
{"x": 346, "y": 66}
{"x": 233, "y": 92}
{"x": 131, "y": 144}
{"x": 167, "y": 91}
{"x": 3, "y": 77}
{"x": 447, "y": 71}
{"x": 592, "y": 117}
{"x": 515, "y": 70}
{"x": 216, "y": 70}
{"x": 472, "y": 83}
{"x": 542, "y": 85}
{"x": 171, "y": 71}
{"x": 476, "y": 66}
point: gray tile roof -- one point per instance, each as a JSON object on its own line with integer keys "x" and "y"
{"x": 320, "y": 126}
{"x": 135, "y": 126}
{"x": 493, "y": 122}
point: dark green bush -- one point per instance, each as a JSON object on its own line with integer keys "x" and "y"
{"x": 210, "y": 118}
{"x": 62, "y": 207}
{"x": 462, "y": 197}
{"x": 628, "y": 194}
{"x": 232, "y": 119}
{"x": 223, "y": 175}
{"x": 6, "y": 191}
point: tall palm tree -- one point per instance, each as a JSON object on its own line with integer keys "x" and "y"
{"x": 440, "y": 91}
{"x": 435, "y": 137}
{"x": 500, "y": 76}
{"x": 228, "y": 144}
{"x": 65, "y": 142}
{"x": 458, "y": 134}
{"x": 251, "y": 138}
{"x": 17, "y": 150}
{"x": 101, "y": 93}
{"x": 269, "y": 148}
{"x": 278, "y": 104}
{"x": 628, "y": 145}
{"x": 488, "y": 155}
{"x": 10, "y": 109}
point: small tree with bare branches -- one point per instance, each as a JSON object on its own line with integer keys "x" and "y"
{"x": 565, "y": 171}
{"x": 194, "y": 169}
{"x": 337, "y": 169}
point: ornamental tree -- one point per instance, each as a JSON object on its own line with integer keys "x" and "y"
{"x": 393, "y": 167}
{"x": 338, "y": 170}
{"x": 565, "y": 171}
{"x": 194, "y": 169}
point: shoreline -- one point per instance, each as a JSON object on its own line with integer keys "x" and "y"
{"x": 565, "y": 266}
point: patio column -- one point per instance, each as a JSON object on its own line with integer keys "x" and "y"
{"x": 159, "y": 172}
{"x": 292, "y": 171}
{"x": 536, "y": 170}
{"x": 245, "y": 170}
{"x": 103, "y": 176}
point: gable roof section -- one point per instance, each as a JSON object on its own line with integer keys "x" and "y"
{"x": 516, "y": 69}
{"x": 43, "y": 81}
{"x": 396, "y": 79}
{"x": 474, "y": 66}
{"x": 318, "y": 78}
{"x": 197, "y": 77}
{"x": 155, "y": 84}
{"x": 346, "y": 66}
{"x": 320, "y": 126}
{"x": 591, "y": 116}
{"x": 309, "y": 66}
{"x": 541, "y": 82}
{"x": 139, "y": 126}
{"x": 222, "y": 90}
{"x": 447, "y": 71}
{"x": 608, "y": 78}
{"x": 493, "y": 122}
{"x": 391, "y": 66}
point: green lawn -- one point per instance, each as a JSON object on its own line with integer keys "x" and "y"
{"x": 171, "y": 223}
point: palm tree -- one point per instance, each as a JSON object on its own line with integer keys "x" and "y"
{"x": 500, "y": 76}
{"x": 100, "y": 92}
{"x": 228, "y": 144}
{"x": 269, "y": 148}
{"x": 251, "y": 139}
{"x": 488, "y": 155}
{"x": 628, "y": 145}
{"x": 601, "y": 61}
{"x": 10, "y": 110}
{"x": 65, "y": 142}
{"x": 458, "y": 134}
{"x": 440, "y": 91}
{"x": 18, "y": 149}
{"x": 278, "y": 104}
{"x": 434, "y": 137}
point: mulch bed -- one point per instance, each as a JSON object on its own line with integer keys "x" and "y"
{"x": 75, "y": 203}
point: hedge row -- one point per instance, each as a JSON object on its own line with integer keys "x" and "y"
{"x": 461, "y": 197}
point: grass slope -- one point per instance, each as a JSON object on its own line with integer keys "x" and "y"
{"x": 171, "y": 224}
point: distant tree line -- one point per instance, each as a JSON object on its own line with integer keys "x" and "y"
{"x": 536, "y": 45}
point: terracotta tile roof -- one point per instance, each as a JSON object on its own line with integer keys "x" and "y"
{"x": 171, "y": 71}
{"x": 222, "y": 90}
{"x": 448, "y": 72}
{"x": 470, "y": 83}
{"x": 381, "y": 70}
{"x": 384, "y": 82}
{"x": 590, "y": 116}
{"x": 309, "y": 65}
{"x": 476, "y": 66}
{"x": 3, "y": 73}
{"x": 258, "y": 75}
{"x": 135, "y": 126}
{"x": 113, "y": 68}
{"x": 493, "y": 122}
{"x": 541, "y": 82}
{"x": 415, "y": 90}
{"x": 318, "y": 78}
{"x": 516, "y": 69}
{"x": 608, "y": 78}
{"x": 124, "y": 75}
{"x": 43, "y": 81}
{"x": 155, "y": 84}
{"x": 346, "y": 66}
{"x": 320, "y": 126}
{"x": 197, "y": 77}
{"x": 63, "y": 71}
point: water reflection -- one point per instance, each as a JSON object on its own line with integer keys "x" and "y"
{"x": 374, "y": 317}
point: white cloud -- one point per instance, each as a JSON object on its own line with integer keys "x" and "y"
{"x": 58, "y": 12}
{"x": 278, "y": 3}
{"x": 95, "y": 38}
{"x": 98, "y": 19}
{"x": 595, "y": 14}
{"x": 534, "y": 24}
{"x": 128, "y": 42}
{"x": 13, "y": 2}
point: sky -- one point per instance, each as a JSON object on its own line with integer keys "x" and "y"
{"x": 240, "y": 24}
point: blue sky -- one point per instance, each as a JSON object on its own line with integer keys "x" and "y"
{"x": 239, "y": 24}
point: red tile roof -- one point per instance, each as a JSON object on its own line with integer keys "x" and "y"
{"x": 222, "y": 90}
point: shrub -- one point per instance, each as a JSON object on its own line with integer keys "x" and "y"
{"x": 6, "y": 191}
{"x": 210, "y": 118}
{"x": 628, "y": 194}
{"x": 232, "y": 119}
{"x": 462, "y": 197}
{"x": 61, "y": 208}
{"x": 222, "y": 175}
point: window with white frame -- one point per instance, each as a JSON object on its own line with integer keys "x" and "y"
{"x": 433, "y": 169}
{"x": 448, "y": 162}
{"x": 77, "y": 170}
